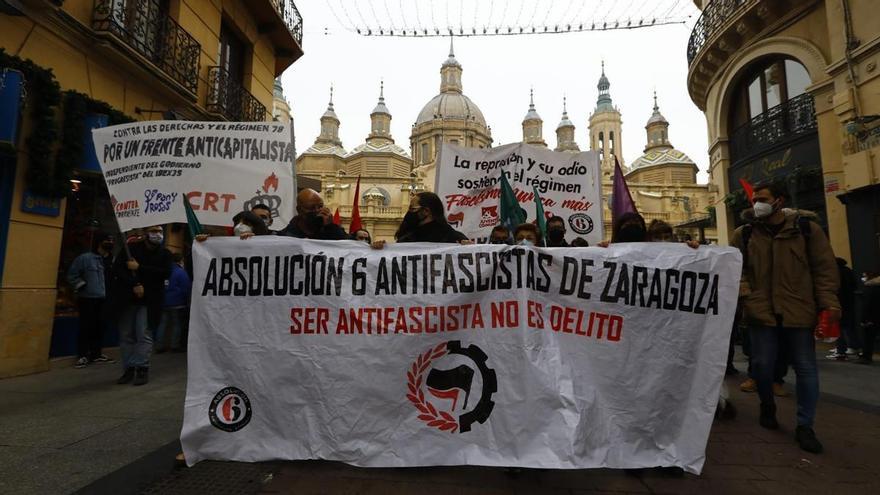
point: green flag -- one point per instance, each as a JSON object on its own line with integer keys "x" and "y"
{"x": 510, "y": 212}
{"x": 195, "y": 228}
{"x": 539, "y": 214}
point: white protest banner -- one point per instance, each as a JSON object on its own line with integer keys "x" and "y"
{"x": 420, "y": 355}
{"x": 222, "y": 167}
{"x": 570, "y": 186}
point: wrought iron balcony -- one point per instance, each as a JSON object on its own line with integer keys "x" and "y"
{"x": 144, "y": 27}
{"x": 780, "y": 124}
{"x": 228, "y": 98}
{"x": 292, "y": 19}
{"x": 715, "y": 15}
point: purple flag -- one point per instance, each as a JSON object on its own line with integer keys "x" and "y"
{"x": 621, "y": 200}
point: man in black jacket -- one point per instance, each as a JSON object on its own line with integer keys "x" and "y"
{"x": 426, "y": 222}
{"x": 137, "y": 297}
{"x": 313, "y": 220}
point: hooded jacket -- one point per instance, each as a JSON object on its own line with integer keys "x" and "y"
{"x": 789, "y": 275}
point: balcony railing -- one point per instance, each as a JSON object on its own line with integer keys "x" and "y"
{"x": 144, "y": 27}
{"x": 292, "y": 19}
{"x": 713, "y": 17}
{"x": 782, "y": 123}
{"x": 228, "y": 98}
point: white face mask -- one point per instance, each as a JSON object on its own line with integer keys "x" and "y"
{"x": 242, "y": 229}
{"x": 525, "y": 242}
{"x": 763, "y": 210}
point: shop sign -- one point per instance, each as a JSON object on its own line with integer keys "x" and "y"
{"x": 785, "y": 163}
{"x": 40, "y": 205}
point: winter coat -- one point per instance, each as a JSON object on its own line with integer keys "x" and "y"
{"x": 178, "y": 288}
{"x": 329, "y": 232}
{"x": 86, "y": 276}
{"x": 155, "y": 268}
{"x": 789, "y": 276}
{"x": 442, "y": 233}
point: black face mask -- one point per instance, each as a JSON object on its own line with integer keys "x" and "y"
{"x": 314, "y": 221}
{"x": 631, "y": 233}
{"x": 410, "y": 221}
{"x": 556, "y": 234}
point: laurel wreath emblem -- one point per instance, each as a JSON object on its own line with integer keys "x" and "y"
{"x": 441, "y": 420}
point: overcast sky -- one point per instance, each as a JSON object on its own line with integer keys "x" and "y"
{"x": 498, "y": 72}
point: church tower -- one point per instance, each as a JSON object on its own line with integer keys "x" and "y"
{"x": 658, "y": 129}
{"x": 606, "y": 129}
{"x": 565, "y": 133}
{"x": 329, "y": 136}
{"x": 532, "y": 125}
{"x": 380, "y": 117}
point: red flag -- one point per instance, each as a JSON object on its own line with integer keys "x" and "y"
{"x": 336, "y": 218}
{"x": 747, "y": 188}
{"x": 355, "y": 210}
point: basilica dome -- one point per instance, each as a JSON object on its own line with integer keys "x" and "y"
{"x": 451, "y": 105}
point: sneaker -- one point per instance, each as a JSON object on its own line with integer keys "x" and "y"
{"x": 748, "y": 386}
{"x": 768, "y": 417}
{"x": 103, "y": 359}
{"x": 81, "y": 363}
{"x": 806, "y": 438}
{"x": 126, "y": 377}
{"x": 836, "y": 355}
{"x": 852, "y": 352}
{"x": 779, "y": 391}
{"x": 141, "y": 376}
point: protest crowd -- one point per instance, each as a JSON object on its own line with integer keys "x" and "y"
{"x": 790, "y": 281}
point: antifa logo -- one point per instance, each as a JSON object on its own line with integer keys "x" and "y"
{"x": 465, "y": 373}
{"x": 455, "y": 219}
{"x": 262, "y": 196}
{"x": 581, "y": 223}
{"x": 230, "y": 410}
{"x": 489, "y": 217}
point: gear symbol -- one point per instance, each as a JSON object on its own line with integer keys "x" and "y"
{"x": 484, "y": 407}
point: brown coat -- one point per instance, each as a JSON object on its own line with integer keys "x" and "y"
{"x": 787, "y": 275}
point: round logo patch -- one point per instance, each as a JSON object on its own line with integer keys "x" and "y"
{"x": 581, "y": 223}
{"x": 230, "y": 410}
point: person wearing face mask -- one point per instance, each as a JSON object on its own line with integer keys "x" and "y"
{"x": 313, "y": 220}
{"x": 363, "y": 235}
{"x": 426, "y": 222}
{"x": 556, "y": 232}
{"x": 138, "y": 291}
{"x": 526, "y": 234}
{"x": 265, "y": 214}
{"x": 629, "y": 227}
{"x": 248, "y": 224}
{"x": 89, "y": 276}
{"x": 789, "y": 277}
{"x": 499, "y": 235}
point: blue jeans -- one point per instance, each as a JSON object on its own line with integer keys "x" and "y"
{"x": 800, "y": 347}
{"x": 170, "y": 331}
{"x": 135, "y": 338}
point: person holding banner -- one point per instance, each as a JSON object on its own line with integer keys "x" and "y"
{"x": 527, "y": 234}
{"x": 313, "y": 220}
{"x": 789, "y": 277}
{"x": 139, "y": 293}
{"x": 556, "y": 232}
{"x": 499, "y": 235}
{"x": 426, "y": 222}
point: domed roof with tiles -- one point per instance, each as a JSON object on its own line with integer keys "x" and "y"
{"x": 663, "y": 156}
{"x": 451, "y": 103}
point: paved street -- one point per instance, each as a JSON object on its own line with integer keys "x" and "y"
{"x": 69, "y": 430}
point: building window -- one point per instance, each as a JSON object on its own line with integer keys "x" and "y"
{"x": 769, "y": 83}
{"x": 424, "y": 152}
{"x": 232, "y": 53}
